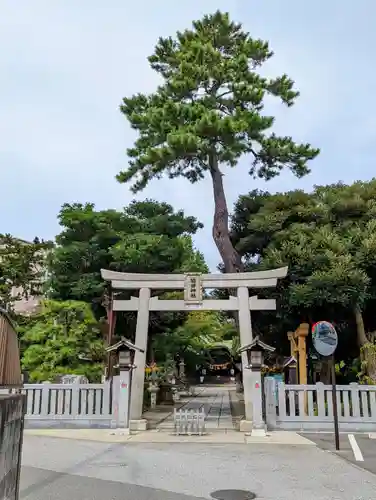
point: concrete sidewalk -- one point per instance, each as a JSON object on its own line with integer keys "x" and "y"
{"x": 117, "y": 436}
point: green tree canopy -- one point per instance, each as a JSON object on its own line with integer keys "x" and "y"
{"x": 328, "y": 240}
{"x": 59, "y": 338}
{"x": 145, "y": 237}
{"x": 200, "y": 330}
{"x": 207, "y": 113}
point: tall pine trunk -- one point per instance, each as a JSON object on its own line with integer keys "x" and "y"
{"x": 367, "y": 349}
{"x": 360, "y": 330}
{"x": 221, "y": 233}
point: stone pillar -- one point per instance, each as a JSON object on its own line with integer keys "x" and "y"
{"x": 123, "y": 401}
{"x": 246, "y": 337}
{"x": 138, "y": 374}
{"x": 258, "y": 424}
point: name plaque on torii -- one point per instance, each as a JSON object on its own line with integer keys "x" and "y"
{"x": 193, "y": 289}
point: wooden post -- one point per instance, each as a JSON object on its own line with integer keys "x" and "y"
{"x": 298, "y": 350}
{"x": 302, "y": 333}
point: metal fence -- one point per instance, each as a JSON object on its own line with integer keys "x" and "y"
{"x": 12, "y": 411}
{"x": 189, "y": 422}
{"x": 310, "y": 407}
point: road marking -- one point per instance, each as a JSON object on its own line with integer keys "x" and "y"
{"x": 355, "y": 448}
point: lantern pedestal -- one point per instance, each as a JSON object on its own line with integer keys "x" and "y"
{"x": 255, "y": 356}
{"x": 245, "y": 426}
{"x": 258, "y": 423}
{"x": 124, "y": 396}
{"x": 125, "y": 352}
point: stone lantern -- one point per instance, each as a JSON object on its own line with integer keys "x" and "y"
{"x": 125, "y": 351}
{"x": 255, "y": 355}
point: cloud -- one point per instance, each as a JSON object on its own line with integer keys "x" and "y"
{"x": 65, "y": 66}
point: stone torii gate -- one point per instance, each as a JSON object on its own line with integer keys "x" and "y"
{"x": 193, "y": 285}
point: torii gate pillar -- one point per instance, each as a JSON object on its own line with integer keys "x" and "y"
{"x": 138, "y": 379}
{"x": 246, "y": 337}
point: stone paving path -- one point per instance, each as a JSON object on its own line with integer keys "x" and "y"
{"x": 216, "y": 402}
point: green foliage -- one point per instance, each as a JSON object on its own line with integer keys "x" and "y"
{"x": 22, "y": 269}
{"x": 201, "y": 330}
{"x": 55, "y": 340}
{"x": 367, "y": 373}
{"x": 208, "y": 109}
{"x": 327, "y": 238}
{"x": 145, "y": 237}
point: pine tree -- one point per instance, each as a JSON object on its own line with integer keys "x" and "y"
{"x": 207, "y": 113}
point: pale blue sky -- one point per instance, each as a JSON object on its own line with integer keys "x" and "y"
{"x": 66, "y": 64}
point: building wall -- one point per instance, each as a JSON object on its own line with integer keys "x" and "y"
{"x": 26, "y": 305}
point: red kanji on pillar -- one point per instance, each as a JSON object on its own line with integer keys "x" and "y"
{"x": 257, "y": 385}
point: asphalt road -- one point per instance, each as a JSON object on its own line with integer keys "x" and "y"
{"x": 57, "y": 469}
{"x": 349, "y": 448}
{"x": 42, "y": 484}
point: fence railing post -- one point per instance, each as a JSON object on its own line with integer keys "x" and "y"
{"x": 270, "y": 401}
{"x": 281, "y": 394}
{"x": 320, "y": 394}
{"x": 45, "y": 400}
{"x": 106, "y": 408}
{"x": 75, "y": 402}
{"x": 354, "y": 391}
{"x": 372, "y": 398}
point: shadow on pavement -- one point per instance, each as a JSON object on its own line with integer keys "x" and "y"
{"x": 51, "y": 485}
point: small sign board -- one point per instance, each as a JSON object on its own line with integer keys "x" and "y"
{"x": 325, "y": 338}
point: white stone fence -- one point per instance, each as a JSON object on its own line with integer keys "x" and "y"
{"x": 71, "y": 405}
{"x": 310, "y": 407}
